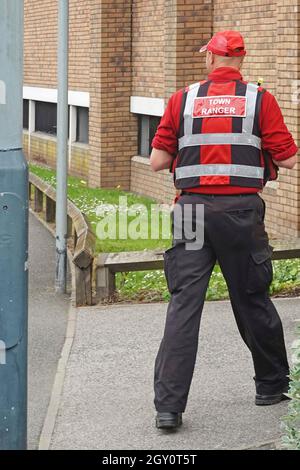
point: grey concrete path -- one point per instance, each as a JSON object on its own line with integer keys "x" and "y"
{"x": 107, "y": 401}
{"x": 47, "y": 326}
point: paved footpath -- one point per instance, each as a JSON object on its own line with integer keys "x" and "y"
{"x": 107, "y": 400}
{"x": 47, "y": 326}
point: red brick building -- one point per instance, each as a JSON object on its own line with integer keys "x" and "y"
{"x": 126, "y": 58}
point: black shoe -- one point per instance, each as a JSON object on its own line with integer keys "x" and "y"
{"x": 264, "y": 400}
{"x": 166, "y": 420}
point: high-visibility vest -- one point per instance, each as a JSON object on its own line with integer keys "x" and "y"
{"x": 219, "y": 137}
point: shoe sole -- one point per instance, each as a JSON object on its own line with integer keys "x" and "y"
{"x": 168, "y": 424}
{"x": 261, "y": 401}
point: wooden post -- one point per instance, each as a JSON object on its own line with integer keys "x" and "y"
{"x": 38, "y": 200}
{"x": 50, "y": 210}
{"x": 105, "y": 280}
{"x": 83, "y": 285}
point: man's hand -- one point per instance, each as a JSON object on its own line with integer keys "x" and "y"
{"x": 160, "y": 160}
{"x": 289, "y": 163}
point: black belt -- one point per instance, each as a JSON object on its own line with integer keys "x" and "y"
{"x": 188, "y": 193}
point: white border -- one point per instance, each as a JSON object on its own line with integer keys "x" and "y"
{"x": 221, "y": 115}
{"x": 49, "y": 95}
{"x": 147, "y": 106}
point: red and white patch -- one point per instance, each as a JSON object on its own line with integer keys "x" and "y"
{"x": 220, "y": 106}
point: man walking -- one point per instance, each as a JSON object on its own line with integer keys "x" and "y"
{"x": 224, "y": 139}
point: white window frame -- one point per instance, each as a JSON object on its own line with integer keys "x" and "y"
{"x": 49, "y": 95}
{"x": 147, "y": 106}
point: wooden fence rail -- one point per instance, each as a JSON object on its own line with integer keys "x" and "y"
{"x": 43, "y": 196}
{"x": 108, "y": 264}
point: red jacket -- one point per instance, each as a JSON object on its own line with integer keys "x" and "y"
{"x": 275, "y": 137}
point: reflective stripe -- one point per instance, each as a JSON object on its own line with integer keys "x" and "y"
{"x": 219, "y": 139}
{"x": 251, "y": 95}
{"x": 188, "y": 109}
{"x": 244, "y": 171}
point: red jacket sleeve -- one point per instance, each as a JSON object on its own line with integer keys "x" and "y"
{"x": 166, "y": 137}
{"x": 276, "y": 137}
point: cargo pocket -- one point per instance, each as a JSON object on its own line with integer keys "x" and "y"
{"x": 260, "y": 273}
{"x": 170, "y": 268}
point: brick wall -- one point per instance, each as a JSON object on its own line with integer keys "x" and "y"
{"x": 287, "y": 70}
{"x": 194, "y": 28}
{"x": 144, "y": 181}
{"x": 113, "y": 129}
{"x": 40, "y": 44}
{"x": 43, "y": 150}
{"x": 80, "y": 161}
{"x": 25, "y": 143}
{"x": 148, "y": 48}
{"x": 257, "y": 21}
{"x": 166, "y": 37}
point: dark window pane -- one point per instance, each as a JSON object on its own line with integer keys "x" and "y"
{"x": 139, "y": 134}
{"x": 147, "y": 128}
{"x": 25, "y": 114}
{"x": 45, "y": 117}
{"x": 144, "y": 136}
{"x": 153, "y": 125}
{"x": 82, "y": 125}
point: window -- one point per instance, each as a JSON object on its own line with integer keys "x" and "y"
{"x": 45, "y": 117}
{"x": 147, "y": 129}
{"x": 25, "y": 114}
{"x": 82, "y": 131}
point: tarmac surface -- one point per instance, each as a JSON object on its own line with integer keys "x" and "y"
{"x": 107, "y": 399}
{"x": 47, "y": 326}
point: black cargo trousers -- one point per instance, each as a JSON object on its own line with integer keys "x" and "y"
{"x": 235, "y": 236}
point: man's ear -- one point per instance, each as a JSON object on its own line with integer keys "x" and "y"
{"x": 209, "y": 58}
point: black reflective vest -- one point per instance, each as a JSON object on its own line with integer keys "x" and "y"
{"x": 219, "y": 137}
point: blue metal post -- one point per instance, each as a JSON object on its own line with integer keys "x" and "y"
{"x": 13, "y": 233}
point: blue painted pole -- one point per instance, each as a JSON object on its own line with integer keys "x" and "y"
{"x": 13, "y": 233}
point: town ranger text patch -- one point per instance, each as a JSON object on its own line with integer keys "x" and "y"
{"x": 220, "y": 106}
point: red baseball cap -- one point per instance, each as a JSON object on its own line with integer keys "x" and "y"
{"x": 226, "y": 43}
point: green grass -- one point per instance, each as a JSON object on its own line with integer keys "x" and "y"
{"x": 88, "y": 200}
{"x": 148, "y": 286}
{"x": 151, "y": 285}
